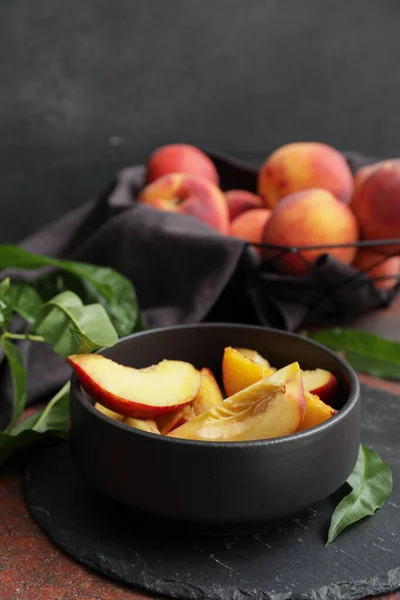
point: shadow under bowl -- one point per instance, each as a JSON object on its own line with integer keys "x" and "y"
{"x": 218, "y": 485}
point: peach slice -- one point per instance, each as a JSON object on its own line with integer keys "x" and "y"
{"x": 140, "y": 393}
{"x": 321, "y": 383}
{"x": 255, "y": 357}
{"x": 209, "y": 395}
{"x": 262, "y": 410}
{"x": 239, "y": 371}
{"x": 109, "y": 413}
{"x": 142, "y": 424}
{"x": 317, "y": 412}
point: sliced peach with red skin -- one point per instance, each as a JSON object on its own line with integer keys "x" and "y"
{"x": 255, "y": 357}
{"x": 109, "y": 413}
{"x": 321, "y": 383}
{"x": 140, "y": 393}
{"x": 209, "y": 395}
{"x": 143, "y": 424}
{"x": 238, "y": 371}
{"x": 262, "y": 410}
{"x": 317, "y": 412}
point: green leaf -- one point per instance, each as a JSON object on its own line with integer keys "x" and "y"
{"x": 55, "y": 416}
{"x": 371, "y": 483}
{"x": 70, "y": 327}
{"x": 4, "y": 285}
{"x": 18, "y": 375}
{"x": 113, "y": 291}
{"x": 52, "y": 421}
{"x": 27, "y": 423}
{"x": 102, "y": 284}
{"x": 366, "y": 352}
{"x": 24, "y": 300}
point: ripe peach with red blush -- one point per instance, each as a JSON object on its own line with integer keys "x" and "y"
{"x": 239, "y": 201}
{"x": 191, "y": 195}
{"x": 181, "y": 158}
{"x": 304, "y": 165}
{"x": 250, "y": 225}
{"x": 310, "y": 218}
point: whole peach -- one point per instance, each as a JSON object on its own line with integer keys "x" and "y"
{"x": 191, "y": 195}
{"x": 250, "y": 225}
{"x": 310, "y": 218}
{"x": 385, "y": 273}
{"x": 180, "y": 158}
{"x": 376, "y": 204}
{"x": 304, "y": 165}
{"x": 363, "y": 173}
{"x": 241, "y": 200}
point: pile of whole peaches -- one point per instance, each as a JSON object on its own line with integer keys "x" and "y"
{"x": 174, "y": 398}
{"x": 306, "y": 197}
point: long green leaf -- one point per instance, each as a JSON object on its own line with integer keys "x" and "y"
{"x": 366, "y": 352}
{"x": 55, "y": 416}
{"x": 52, "y": 421}
{"x": 371, "y": 483}
{"x": 116, "y": 291}
{"x": 18, "y": 375}
{"x": 67, "y": 323}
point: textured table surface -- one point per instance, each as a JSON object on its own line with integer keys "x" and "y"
{"x": 32, "y": 568}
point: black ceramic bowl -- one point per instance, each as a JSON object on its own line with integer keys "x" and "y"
{"x": 218, "y": 483}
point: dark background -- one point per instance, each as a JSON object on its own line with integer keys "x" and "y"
{"x": 88, "y": 87}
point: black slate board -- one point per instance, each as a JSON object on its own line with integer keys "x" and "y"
{"x": 287, "y": 562}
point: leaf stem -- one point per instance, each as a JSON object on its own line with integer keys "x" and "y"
{"x": 23, "y": 336}
{"x": 53, "y": 401}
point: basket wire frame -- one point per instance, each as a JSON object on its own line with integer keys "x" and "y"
{"x": 324, "y": 289}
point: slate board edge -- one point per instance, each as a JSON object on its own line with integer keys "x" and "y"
{"x": 180, "y": 590}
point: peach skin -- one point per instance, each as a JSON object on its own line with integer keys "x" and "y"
{"x": 139, "y": 393}
{"x": 363, "y": 173}
{"x": 304, "y": 165}
{"x": 209, "y": 395}
{"x": 250, "y": 225}
{"x": 261, "y": 411}
{"x": 241, "y": 200}
{"x": 384, "y": 273}
{"x": 310, "y": 218}
{"x": 376, "y": 204}
{"x": 181, "y": 158}
{"x": 191, "y": 195}
{"x": 321, "y": 383}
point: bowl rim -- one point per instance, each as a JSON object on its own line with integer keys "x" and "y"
{"x": 351, "y": 402}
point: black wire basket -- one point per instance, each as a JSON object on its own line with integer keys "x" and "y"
{"x": 327, "y": 292}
